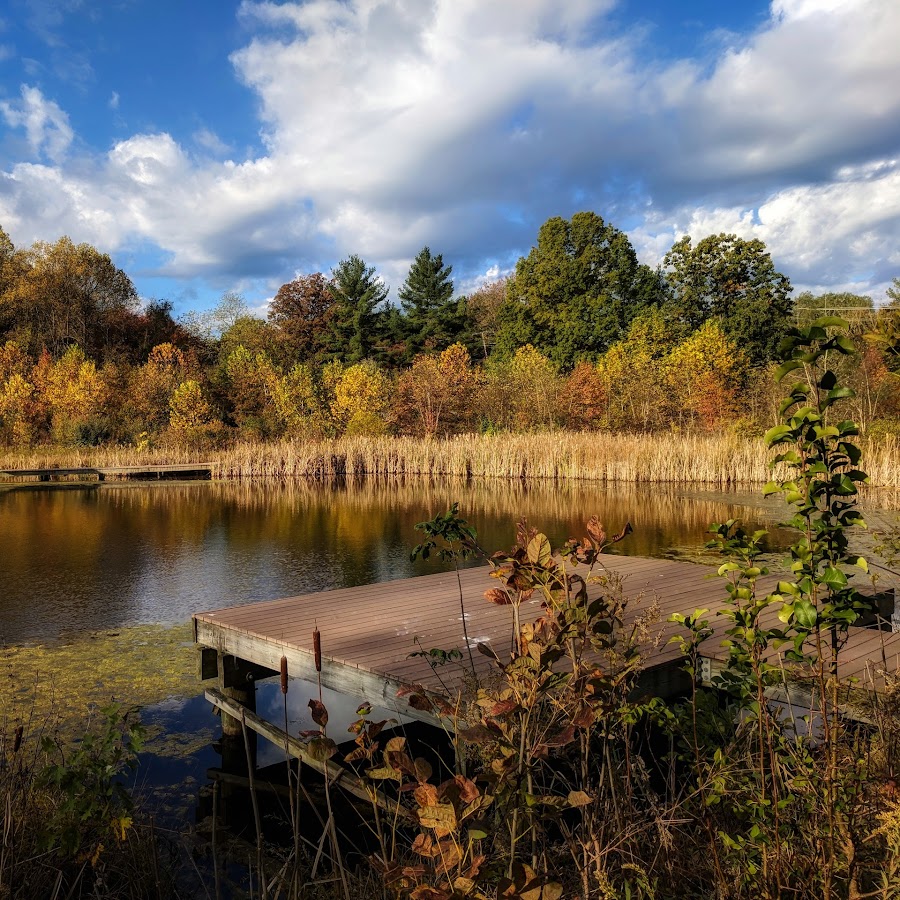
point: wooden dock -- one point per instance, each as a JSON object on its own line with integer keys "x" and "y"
{"x": 369, "y": 632}
{"x": 102, "y": 473}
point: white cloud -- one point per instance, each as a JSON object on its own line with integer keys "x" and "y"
{"x": 389, "y": 124}
{"x": 46, "y": 125}
{"x": 113, "y": 102}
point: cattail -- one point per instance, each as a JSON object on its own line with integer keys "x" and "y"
{"x": 284, "y": 675}
{"x": 317, "y": 648}
{"x": 17, "y": 739}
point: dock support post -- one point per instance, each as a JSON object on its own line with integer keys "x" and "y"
{"x": 237, "y": 681}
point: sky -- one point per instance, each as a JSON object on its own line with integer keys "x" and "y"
{"x": 216, "y": 145}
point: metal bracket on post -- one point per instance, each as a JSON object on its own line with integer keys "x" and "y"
{"x": 704, "y": 671}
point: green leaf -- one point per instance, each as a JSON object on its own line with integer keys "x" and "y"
{"x": 805, "y": 613}
{"x": 834, "y": 578}
{"x": 786, "y": 368}
{"x": 777, "y": 435}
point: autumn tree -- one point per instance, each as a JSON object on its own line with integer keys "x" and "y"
{"x": 521, "y": 391}
{"x": 735, "y": 282}
{"x": 192, "y": 419}
{"x": 434, "y": 396}
{"x": 703, "y": 374}
{"x": 20, "y": 406}
{"x": 302, "y": 311}
{"x": 484, "y": 311}
{"x": 358, "y": 294}
{"x": 576, "y": 291}
{"x": 582, "y": 398}
{"x": 298, "y": 404}
{"x": 361, "y": 399}
{"x": 630, "y": 372}
{"x": 67, "y": 294}
{"x": 430, "y": 318}
{"x": 253, "y": 380}
{"x": 151, "y": 385}
{"x": 74, "y": 395}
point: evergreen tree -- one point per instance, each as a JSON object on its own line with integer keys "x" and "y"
{"x": 357, "y": 292}
{"x": 430, "y": 317}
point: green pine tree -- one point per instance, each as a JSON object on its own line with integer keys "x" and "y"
{"x": 430, "y": 316}
{"x": 358, "y": 293}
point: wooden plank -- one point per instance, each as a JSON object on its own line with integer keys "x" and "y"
{"x": 336, "y": 774}
{"x": 377, "y": 688}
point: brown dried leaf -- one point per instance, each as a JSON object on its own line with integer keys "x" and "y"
{"x": 584, "y": 719}
{"x": 503, "y": 707}
{"x": 449, "y": 855}
{"x": 477, "y": 734}
{"x": 424, "y": 892}
{"x": 498, "y": 596}
{"x": 467, "y": 789}
{"x": 321, "y": 748}
{"x": 395, "y": 744}
{"x": 424, "y": 845}
{"x": 579, "y": 798}
{"x": 422, "y": 769}
{"x": 319, "y": 713}
{"x": 421, "y": 702}
{"x": 441, "y": 817}
{"x": 596, "y": 532}
{"x": 358, "y": 754}
{"x": 426, "y": 795}
{"x": 566, "y": 736}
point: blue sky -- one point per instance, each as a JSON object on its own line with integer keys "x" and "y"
{"x": 217, "y": 145}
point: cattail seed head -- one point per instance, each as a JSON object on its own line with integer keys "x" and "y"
{"x": 317, "y": 648}
{"x": 17, "y": 739}
{"x": 284, "y": 675}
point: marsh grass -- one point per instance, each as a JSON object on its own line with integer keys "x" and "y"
{"x": 666, "y": 457}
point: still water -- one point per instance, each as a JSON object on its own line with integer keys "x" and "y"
{"x": 83, "y": 559}
{"x": 98, "y": 583}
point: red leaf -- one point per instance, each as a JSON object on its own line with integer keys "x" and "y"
{"x": 498, "y": 596}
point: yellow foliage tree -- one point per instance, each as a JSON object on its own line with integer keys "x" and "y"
{"x": 74, "y": 393}
{"x": 254, "y": 384}
{"x": 361, "y": 398}
{"x": 297, "y": 403}
{"x": 192, "y": 420}
{"x": 703, "y": 374}
{"x": 631, "y": 373}
{"x": 20, "y": 411}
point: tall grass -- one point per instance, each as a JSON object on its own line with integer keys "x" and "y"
{"x": 717, "y": 460}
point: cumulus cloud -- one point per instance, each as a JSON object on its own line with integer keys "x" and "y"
{"x": 389, "y": 124}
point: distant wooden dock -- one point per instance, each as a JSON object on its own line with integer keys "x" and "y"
{"x": 369, "y": 632}
{"x": 102, "y": 473}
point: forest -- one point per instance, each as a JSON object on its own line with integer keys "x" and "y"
{"x": 581, "y": 336}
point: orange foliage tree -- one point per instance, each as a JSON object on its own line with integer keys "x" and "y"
{"x": 435, "y": 394}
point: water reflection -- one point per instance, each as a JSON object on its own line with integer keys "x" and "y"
{"x": 116, "y": 555}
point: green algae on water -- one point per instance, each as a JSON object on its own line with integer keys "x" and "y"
{"x": 53, "y": 687}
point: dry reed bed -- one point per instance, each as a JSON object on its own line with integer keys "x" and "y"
{"x": 716, "y": 460}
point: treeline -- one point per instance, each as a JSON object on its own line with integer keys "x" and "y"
{"x": 581, "y": 336}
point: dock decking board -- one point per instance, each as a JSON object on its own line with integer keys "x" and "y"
{"x": 103, "y": 472}
{"x": 368, "y": 631}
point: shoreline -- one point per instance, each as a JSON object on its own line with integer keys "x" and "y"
{"x": 666, "y": 458}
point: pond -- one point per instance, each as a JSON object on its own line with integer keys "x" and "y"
{"x": 99, "y": 581}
